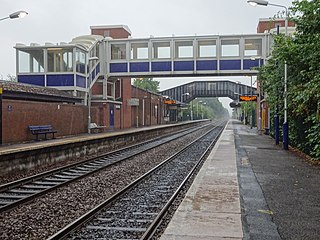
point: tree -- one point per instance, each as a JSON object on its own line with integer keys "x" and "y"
{"x": 147, "y": 83}
{"x": 11, "y": 78}
{"x": 212, "y": 108}
{"x": 302, "y": 53}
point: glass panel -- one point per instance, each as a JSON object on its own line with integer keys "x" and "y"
{"x": 139, "y": 51}
{"x": 253, "y": 47}
{"x": 207, "y": 48}
{"x": 211, "y": 86}
{"x": 161, "y": 50}
{"x": 184, "y": 49}
{"x": 67, "y": 61}
{"x": 24, "y": 62}
{"x": 80, "y": 61}
{"x": 31, "y": 61}
{"x": 60, "y": 60}
{"x": 118, "y": 51}
{"x": 94, "y": 53}
{"x": 230, "y": 48}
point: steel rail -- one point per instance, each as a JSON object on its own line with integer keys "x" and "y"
{"x": 78, "y": 223}
{"x": 157, "y": 221}
{"x": 39, "y": 190}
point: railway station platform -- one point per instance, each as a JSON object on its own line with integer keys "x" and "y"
{"x": 24, "y": 156}
{"x": 249, "y": 188}
{"x": 211, "y": 208}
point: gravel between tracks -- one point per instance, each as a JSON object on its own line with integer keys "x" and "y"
{"x": 48, "y": 214}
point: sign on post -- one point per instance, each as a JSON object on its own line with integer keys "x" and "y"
{"x": 169, "y": 101}
{"x": 248, "y": 98}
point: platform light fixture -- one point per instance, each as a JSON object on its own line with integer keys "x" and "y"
{"x": 285, "y": 122}
{"x": 19, "y": 14}
{"x": 184, "y": 94}
{"x": 258, "y": 2}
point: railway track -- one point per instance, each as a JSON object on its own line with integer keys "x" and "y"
{"x": 21, "y": 191}
{"x": 137, "y": 210}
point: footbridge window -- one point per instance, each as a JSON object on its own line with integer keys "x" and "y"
{"x": 207, "y": 49}
{"x": 253, "y": 47}
{"x": 161, "y": 50}
{"x": 60, "y": 60}
{"x": 118, "y": 51}
{"x": 31, "y": 61}
{"x": 94, "y": 53}
{"x": 139, "y": 51}
{"x": 80, "y": 61}
{"x": 230, "y": 48}
{"x": 184, "y": 49}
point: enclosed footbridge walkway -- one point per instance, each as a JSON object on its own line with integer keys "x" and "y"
{"x": 187, "y": 92}
{"x": 187, "y": 56}
{"x": 79, "y": 64}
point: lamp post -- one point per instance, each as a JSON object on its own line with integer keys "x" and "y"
{"x": 202, "y": 109}
{"x": 285, "y": 122}
{"x": 198, "y": 108}
{"x": 258, "y": 105}
{"x": 89, "y": 91}
{"x": 238, "y": 98}
{"x": 19, "y": 14}
{"x": 184, "y": 94}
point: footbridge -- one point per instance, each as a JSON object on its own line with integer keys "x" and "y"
{"x": 186, "y": 56}
{"x": 79, "y": 64}
{"x": 187, "y": 92}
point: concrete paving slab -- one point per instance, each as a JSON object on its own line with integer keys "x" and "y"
{"x": 178, "y": 237}
{"x": 211, "y": 208}
{"x": 225, "y": 179}
{"x": 213, "y": 199}
{"x": 205, "y": 224}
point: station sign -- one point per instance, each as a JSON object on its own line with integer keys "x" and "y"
{"x": 133, "y": 102}
{"x": 169, "y": 101}
{"x": 248, "y": 98}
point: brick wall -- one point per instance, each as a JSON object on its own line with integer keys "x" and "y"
{"x": 271, "y": 24}
{"x": 126, "y": 95}
{"x": 153, "y": 108}
{"x": 122, "y": 113}
{"x": 18, "y": 115}
{"x": 115, "y": 33}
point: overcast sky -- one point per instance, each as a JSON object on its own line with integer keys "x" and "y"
{"x": 61, "y": 20}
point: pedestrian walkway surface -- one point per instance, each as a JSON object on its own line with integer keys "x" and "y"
{"x": 211, "y": 208}
{"x": 249, "y": 188}
{"x": 279, "y": 191}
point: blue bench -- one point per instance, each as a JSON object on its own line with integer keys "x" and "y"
{"x": 42, "y": 129}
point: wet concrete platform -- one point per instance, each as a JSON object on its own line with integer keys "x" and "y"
{"x": 25, "y": 156}
{"x": 250, "y": 188}
{"x": 211, "y": 208}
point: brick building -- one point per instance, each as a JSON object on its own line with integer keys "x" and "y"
{"x": 111, "y": 96}
{"x": 148, "y": 108}
{"x": 66, "y": 83}
{"x": 79, "y": 68}
{"x": 24, "y": 105}
{"x": 270, "y": 25}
